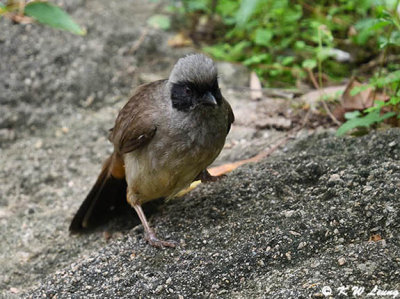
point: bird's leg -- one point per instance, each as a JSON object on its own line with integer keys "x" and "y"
{"x": 206, "y": 177}
{"x": 149, "y": 233}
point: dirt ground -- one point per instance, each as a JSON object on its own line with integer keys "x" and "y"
{"x": 321, "y": 212}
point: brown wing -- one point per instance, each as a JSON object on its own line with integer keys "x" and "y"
{"x": 135, "y": 124}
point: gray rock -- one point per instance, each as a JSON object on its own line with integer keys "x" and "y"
{"x": 273, "y": 229}
{"x": 233, "y": 75}
{"x": 238, "y": 242}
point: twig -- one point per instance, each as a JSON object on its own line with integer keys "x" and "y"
{"x": 312, "y": 78}
{"x": 139, "y": 42}
{"x": 272, "y": 92}
{"x": 305, "y": 119}
{"x": 328, "y": 111}
{"x": 334, "y": 119}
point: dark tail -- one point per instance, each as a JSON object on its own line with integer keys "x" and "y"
{"x": 108, "y": 195}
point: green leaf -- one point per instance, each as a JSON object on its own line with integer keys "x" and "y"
{"x": 227, "y": 9}
{"x": 237, "y": 51}
{"x": 378, "y": 104}
{"x": 352, "y": 114}
{"x": 3, "y": 9}
{"x": 309, "y": 64}
{"x": 287, "y": 60}
{"x": 217, "y": 51}
{"x": 51, "y": 15}
{"x": 364, "y": 121}
{"x": 394, "y": 101}
{"x": 228, "y": 52}
{"x": 263, "y": 37}
{"x": 385, "y": 41}
{"x": 160, "y": 22}
{"x": 256, "y": 59}
{"x": 392, "y": 77}
{"x": 199, "y": 5}
{"x": 357, "y": 89}
{"x": 367, "y": 28}
{"x": 299, "y": 45}
{"x": 247, "y": 8}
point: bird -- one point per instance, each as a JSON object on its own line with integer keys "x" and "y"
{"x": 164, "y": 138}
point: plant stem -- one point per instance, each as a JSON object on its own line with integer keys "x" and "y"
{"x": 319, "y": 60}
{"x": 389, "y": 37}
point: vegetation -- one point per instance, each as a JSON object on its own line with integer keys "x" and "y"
{"x": 288, "y": 42}
{"x": 42, "y": 12}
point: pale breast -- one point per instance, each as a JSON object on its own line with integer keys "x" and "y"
{"x": 182, "y": 147}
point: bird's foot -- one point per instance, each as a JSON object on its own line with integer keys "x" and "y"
{"x": 213, "y": 178}
{"x": 206, "y": 177}
{"x": 152, "y": 239}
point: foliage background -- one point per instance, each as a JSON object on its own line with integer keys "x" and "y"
{"x": 298, "y": 43}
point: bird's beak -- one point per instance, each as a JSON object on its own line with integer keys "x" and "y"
{"x": 209, "y": 99}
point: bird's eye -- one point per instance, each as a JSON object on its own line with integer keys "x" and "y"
{"x": 188, "y": 91}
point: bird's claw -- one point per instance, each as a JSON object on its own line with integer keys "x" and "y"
{"x": 152, "y": 239}
{"x": 213, "y": 178}
{"x": 206, "y": 177}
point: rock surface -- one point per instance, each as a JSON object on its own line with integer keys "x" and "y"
{"x": 321, "y": 213}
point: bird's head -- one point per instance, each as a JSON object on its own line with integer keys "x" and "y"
{"x": 193, "y": 82}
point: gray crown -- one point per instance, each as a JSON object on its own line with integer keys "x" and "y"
{"x": 195, "y": 68}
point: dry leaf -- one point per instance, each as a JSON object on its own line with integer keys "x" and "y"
{"x": 226, "y": 168}
{"x": 21, "y": 19}
{"x": 375, "y": 238}
{"x": 255, "y": 87}
{"x": 360, "y": 101}
{"x": 180, "y": 40}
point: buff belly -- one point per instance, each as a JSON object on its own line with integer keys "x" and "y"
{"x": 163, "y": 174}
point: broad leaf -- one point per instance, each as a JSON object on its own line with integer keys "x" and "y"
{"x": 246, "y": 10}
{"x": 256, "y": 59}
{"x": 160, "y": 22}
{"x": 263, "y": 37}
{"x": 364, "y": 121}
{"x": 360, "y": 88}
{"x": 309, "y": 64}
{"x": 352, "y": 114}
{"x": 49, "y": 14}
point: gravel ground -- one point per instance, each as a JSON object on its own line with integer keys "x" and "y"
{"x": 322, "y": 212}
{"x": 325, "y": 213}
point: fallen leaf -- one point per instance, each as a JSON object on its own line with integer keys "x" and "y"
{"x": 22, "y": 19}
{"x": 360, "y": 101}
{"x": 375, "y": 238}
{"x": 180, "y": 40}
